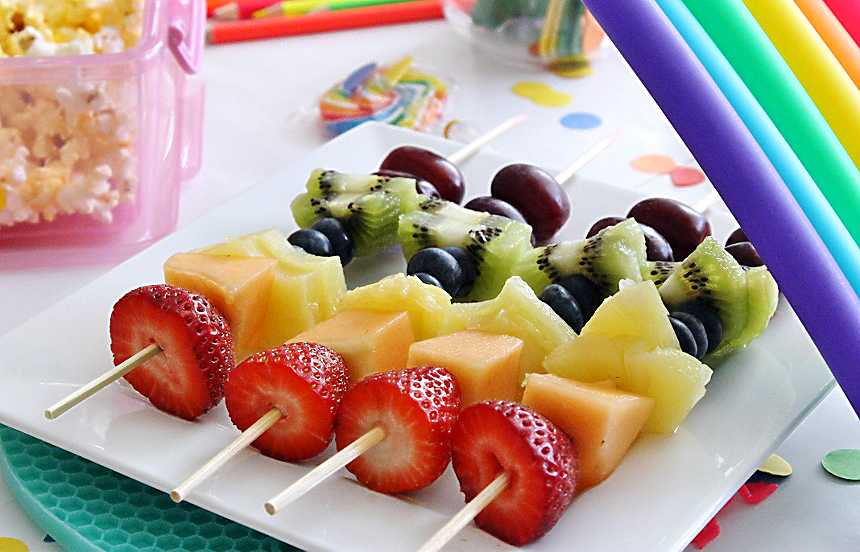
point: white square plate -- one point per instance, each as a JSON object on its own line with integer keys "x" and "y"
{"x": 665, "y": 490}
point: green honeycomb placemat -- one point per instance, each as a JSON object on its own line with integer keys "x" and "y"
{"x": 87, "y": 507}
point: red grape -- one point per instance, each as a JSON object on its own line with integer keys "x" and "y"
{"x": 745, "y": 254}
{"x": 496, "y": 206}
{"x": 738, "y": 236}
{"x": 682, "y": 226}
{"x": 423, "y": 164}
{"x": 536, "y": 194}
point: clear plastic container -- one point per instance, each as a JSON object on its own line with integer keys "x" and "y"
{"x": 94, "y": 147}
{"x": 559, "y": 34}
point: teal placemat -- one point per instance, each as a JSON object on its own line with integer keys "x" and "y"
{"x": 87, "y": 507}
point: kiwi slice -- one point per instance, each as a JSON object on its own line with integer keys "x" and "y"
{"x": 658, "y": 271}
{"x": 493, "y": 242}
{"x": 712, "y": 276}
{"x": 615, "y": 253}
{"x": 369, "y": 206}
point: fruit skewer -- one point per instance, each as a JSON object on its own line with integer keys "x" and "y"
{"x": 392, "y": 433}
{"x": 173, "y": 346}
{"x": 299, "y": 385}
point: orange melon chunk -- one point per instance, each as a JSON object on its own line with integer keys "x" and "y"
{"x": 602, "y": 421}
{"x": 369, "y": 341}
{"x": 485, "y": 364}
{"x": 238, "y": 286}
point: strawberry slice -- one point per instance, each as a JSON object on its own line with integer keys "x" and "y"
{"x": 496, "y": 436}
{"x": 187, "y": 378}
{"x": 416, "y": 408}
{"x": 305, "y": 381}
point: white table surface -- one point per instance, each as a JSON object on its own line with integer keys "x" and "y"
{"x": 260, "y": 115}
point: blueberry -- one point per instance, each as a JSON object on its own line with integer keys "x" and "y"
{"x": 312, "y": 241}
{"x": 427, "y": 279}
{"x": 585, "y": 293}
{"x": 467, "y": 265}
{"x": 709, "y": 318}
{"x": 697, "y": 329}
{"x": 440, "y": 264}
{"x": 685, "y": 337}
{"x": 335, "y": 231}
{"x": 563, "y": 303}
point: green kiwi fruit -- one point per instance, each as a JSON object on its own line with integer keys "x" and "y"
{"x": 493, "y": 242}
{"x": 615, "y": 253}
{"x": 658, "y": 271}
{"x": 368, "y": 205}
{"x": 712, "y": 276}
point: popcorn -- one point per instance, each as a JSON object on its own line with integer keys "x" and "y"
{"x": 66, "y": 148}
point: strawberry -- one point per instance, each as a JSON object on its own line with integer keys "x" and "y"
{"x": 305, "y": 381}
{"x": 416, "y": 408}
{"x": 496, "y": 436}
{"x": 187, "y": 378}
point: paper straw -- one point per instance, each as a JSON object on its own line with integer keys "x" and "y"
{"x": 816, "y": 68}
{"x": 848, "y": 13}
{"x": 301, "y": 7}
{"x": 356, "y": 18}
{"x": 843, "y": 47}
{"x": 822, "y": 216}
{"x": 747, "y": 48}
{"x": 240, "y": 10}
{"x": 747, "y": 182}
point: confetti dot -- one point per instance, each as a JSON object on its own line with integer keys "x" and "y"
{"x": 654, "y": 164}
{"x": 581, "y": 120}
{"x": 776, "y": 465}
{"x": 8, "y": 544}
{"x": 753, "y": 493}
{"x": 572, "y": 68}
{"x": 707, "y": 534}
{"x": 541, "y": 94}
{"x": 686, "y": 176}
{"x": 843, "y": 463}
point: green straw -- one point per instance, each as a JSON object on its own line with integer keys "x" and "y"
{"x": 749, "y": 51}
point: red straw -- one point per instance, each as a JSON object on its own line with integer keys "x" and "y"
{"x": 848, "y": 13}
{"x": 270, "y": 27}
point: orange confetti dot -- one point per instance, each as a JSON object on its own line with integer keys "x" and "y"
{"x": 686, "y": 176}
{"x": 654, "y": 164}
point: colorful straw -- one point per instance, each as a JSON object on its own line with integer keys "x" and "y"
{"x": 816, "y": 68}
{"x": 745, "y": 45}
{"x": 796, "y": 178}
{"x": 848, "y": 13}
{"x": 745, "y": 179}
{"x": 844, "y": 49}
{"x": 356, "y": 18}
{"x": 301, "y": 7}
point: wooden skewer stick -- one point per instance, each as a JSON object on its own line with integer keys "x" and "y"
{"x": 706, "y": 202}
{"x": 327, "y": 468}
{"x": 239, "y": 443}
{"x": 586, "y": 157}
{"x": 472, "y": 147}
{"x": 467, "y": 513}
{"x": 102, "y": 381}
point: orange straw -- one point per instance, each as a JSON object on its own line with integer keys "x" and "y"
{"x": 212, "y": 5}
{"x": 831, "y": 31}
{"x": 270, "y": 27}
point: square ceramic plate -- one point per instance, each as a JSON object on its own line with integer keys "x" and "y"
{"x": 665, "y": 490}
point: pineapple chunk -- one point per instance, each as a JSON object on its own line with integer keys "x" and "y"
{"x": 306, "y": 288}
{"x": 238, "y": 286}
{"x": 368, "y": 341}
{"x": 602, "y": 421}
{"x": 486, "y": 365}
{"x": 518, "y": 312}
{"x": 629, "y": 344}
{"x": 427, "y": 305}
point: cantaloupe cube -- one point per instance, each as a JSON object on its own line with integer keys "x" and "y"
{"x": 602, "y": 421}
{"x": 306, "y": 288}
{"x": 238, "y": 286}
{"x": 486, "y": 365}
{"x": 369, "y": 341}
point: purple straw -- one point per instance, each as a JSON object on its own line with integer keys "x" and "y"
{"x": 747, "y": 182}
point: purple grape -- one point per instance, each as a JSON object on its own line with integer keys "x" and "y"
{"x": 423, "y": 164}
{"x": 536, "y": 194}
{"x": 745, "y": 254}
{"x": 605, "y": 222}
{"x": 682, "y": 226}
{"x": 738, "y": 236}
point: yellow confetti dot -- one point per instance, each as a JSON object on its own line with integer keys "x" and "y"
{"x": 8, "y": 544}
{"x": 541, "y": 94}
{"x": 776, "y": 465}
